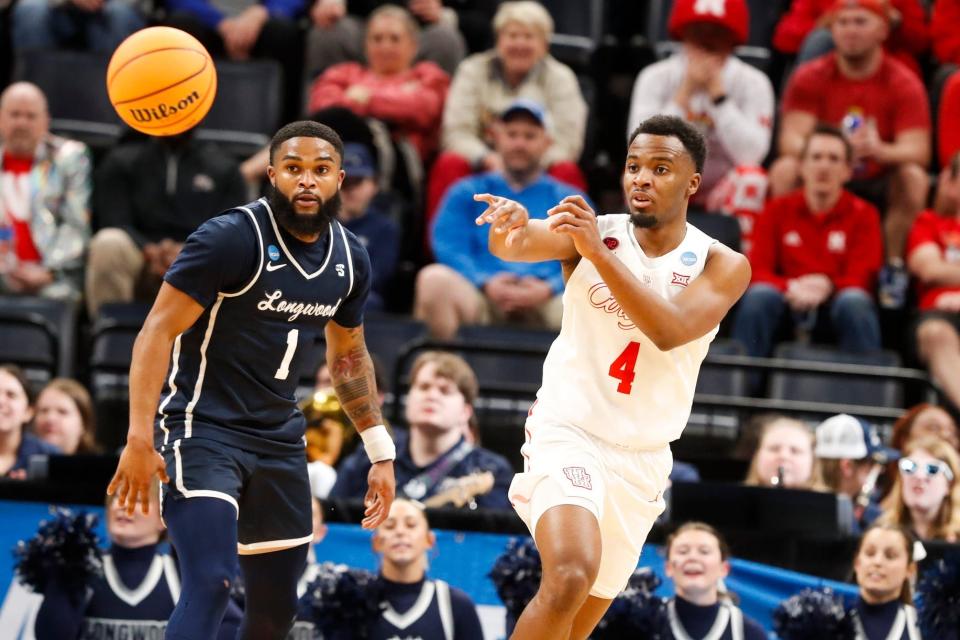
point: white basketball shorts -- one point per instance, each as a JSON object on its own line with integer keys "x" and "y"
{"x": 623, "y": 488}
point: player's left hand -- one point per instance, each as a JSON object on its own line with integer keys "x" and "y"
{"x": 380, "y": 492}
{"x": 575, "y": 218}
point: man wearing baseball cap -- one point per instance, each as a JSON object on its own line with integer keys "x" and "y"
{"x": 882, "y": 106}
{"x": 852, "y": 457}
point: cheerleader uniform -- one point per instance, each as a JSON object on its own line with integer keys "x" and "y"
{"x": 888, "y": 621}
{"x": 426, "y": 610}
{"x": 720, "y": 621}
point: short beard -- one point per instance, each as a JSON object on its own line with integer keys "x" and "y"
{"x": 303, "y": 224}
{"x": 643, "y": 220}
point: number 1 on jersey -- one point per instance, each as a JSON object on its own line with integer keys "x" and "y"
{"x": 623, "y": 367}
{"x": 292, "y": 336}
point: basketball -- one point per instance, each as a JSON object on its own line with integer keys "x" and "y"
{"x": 161, "y": 81}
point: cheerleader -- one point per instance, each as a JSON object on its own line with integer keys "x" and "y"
{"x": 136, "y": 593}
{"x": 413, "y": 606}
{"x": 697, "y": 562}
{"x": 885, "y": 568}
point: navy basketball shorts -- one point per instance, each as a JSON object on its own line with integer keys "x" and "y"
{"x": 271, "y": 493}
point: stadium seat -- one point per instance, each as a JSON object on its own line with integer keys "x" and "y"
{"x": 113, "y": 335}
{"x": 764, "y": 15}
{"x": 63, "y": 76}
{"x": 718, "y": 381}
{"x": 870, "y": 392}
{"x": 246, "y": 111}
{"x": 724, "y": 228}
{"x": 38, "y": 334}
{"x": 385, "y": 334}
{"x": 578, "y": 29}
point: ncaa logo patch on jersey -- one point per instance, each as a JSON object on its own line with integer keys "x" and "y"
{"x": 688, "y": 258}
{"x": 272, "y": 252}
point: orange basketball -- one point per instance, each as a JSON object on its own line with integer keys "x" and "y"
{"x": 161, "y": 81}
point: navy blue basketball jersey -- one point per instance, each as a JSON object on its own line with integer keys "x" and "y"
{"x": 115, "y": 610}
{"x": 267, "y": 297}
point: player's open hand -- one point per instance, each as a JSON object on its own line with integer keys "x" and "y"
{"x": 504, "y": 215}
{"x": 138, "y": 465}
{"x": 380, "y": 492}
{"x": 575, "y": 218}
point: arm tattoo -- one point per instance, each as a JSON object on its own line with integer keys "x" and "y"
{"x": 355, "y": 385}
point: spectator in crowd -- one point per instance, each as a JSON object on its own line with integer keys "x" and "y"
{"x": 705, "y": 84}
{"x": 248, "y": 29}
{"x": 95, "y": 25}
{"x": 337, "y": 36}
{"x": 470, "y": 285}
{"x": 784, "y": 457}
{"x": 698, "y": 561}
{"x": 926, "y": 494}
{"x": 816, "y": 249}
{"x": 407, "y": 97}
{"x": 150, "y": 195}
{"x": 65, "y": 417}
{"x": 433, "y": 455}
{"x": 885, "y": 567}
{"x": 44, "y": 200}
{"x": 943, "y": 31}
{"x": 805, "y": 31}
{"x": 852, "y": 457}
{"x": 519, "y": 66}
{"x": 933, "y": 256}
{"x": 922, "y": 420}
{"x": 882, "y": 106}
{"x": 367, "y": 217}
{"x": 16, "y": 411}
{"x": 948, "y": 117}
{"x": 137, "y": 591}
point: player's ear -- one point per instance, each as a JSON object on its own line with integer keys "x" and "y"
{"x": 431, "y": 539}
{"x": 694, "y": 185}
{"x": 272, "y": 175}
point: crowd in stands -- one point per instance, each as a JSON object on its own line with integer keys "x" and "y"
{"x": 841, "y": 174}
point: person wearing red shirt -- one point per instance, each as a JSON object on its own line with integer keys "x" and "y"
{"x": 816, "y": 249}
{"x": 944, "y": 32}
{"x": 804, "y": 31}
{"x": 933, "y": 257}
{"x": 948, "y": 120}
{"x": 881, "y": 105}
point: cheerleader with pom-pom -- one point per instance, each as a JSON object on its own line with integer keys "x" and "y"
{"x": 697, "y": 562}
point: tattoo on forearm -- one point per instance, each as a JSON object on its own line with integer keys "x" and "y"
{"x": 350, "y": 390}
{"x": 355, "y": 385}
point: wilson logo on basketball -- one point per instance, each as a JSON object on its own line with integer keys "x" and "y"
{"x": 680, "y": 279}
{"x": 162, "y": 111}
{"x": 578, "y": 477}
{"x": 612, "y": 243}
{"x": 601, "y": 298}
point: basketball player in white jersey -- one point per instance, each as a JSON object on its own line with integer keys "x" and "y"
{"x": 645, "y": 293}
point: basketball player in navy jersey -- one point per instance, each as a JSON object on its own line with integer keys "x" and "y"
{"x": 223, "y": 348}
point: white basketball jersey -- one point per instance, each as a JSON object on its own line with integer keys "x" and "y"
{"x": 602, "y": 373}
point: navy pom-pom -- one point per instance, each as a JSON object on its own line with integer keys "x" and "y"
{"x": 636, "y": 612}
{"x": 938, "y": 599}
{"x": 66, "y": 549}
{"x": 813, "y": 615}
{"x": 516, "y": 574}
{"x": 344, "y": 598}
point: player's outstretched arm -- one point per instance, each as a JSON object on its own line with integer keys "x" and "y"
{"x": 514, "y": 236}
{"x": 173, "y": 313}
{"x": 352, "y": 371}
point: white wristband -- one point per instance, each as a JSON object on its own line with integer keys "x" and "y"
{"x": 378, "y": 444}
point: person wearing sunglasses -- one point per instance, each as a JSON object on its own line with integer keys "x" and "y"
{"x": 926, "y": 494}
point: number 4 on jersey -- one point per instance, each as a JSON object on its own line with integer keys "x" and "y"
{"x": 623, "y": 368}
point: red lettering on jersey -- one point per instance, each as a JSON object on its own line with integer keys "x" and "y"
{"x": 611, "y": 242}
{"x": 600, "y": 297}
{"x": 578, "y": 477}
{"x": 680, "y": 279}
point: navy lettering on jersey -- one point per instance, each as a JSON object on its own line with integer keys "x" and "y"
{"x": 267, "y": 296}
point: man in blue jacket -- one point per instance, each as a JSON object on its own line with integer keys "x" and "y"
{"x": 468, "y": 284}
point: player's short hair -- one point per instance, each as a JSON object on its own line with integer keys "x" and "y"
{"x": 672, "y": 126}
{"x": 401, "y": 14}
{"x": 526, "y": 12}
{"x": 830, "y": 131}
{"x": 452, "y": 367}
{"x": 306, "y": 129}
